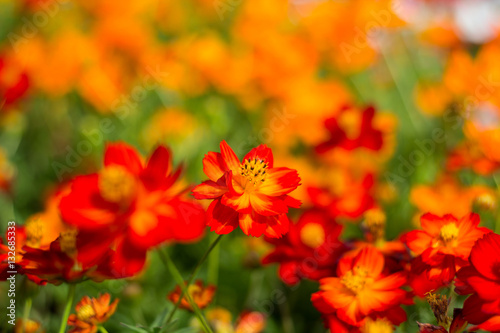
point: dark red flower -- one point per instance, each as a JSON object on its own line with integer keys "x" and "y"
{"x": 309, "y": 250}
{"x": 13, "y": 83}
{"x": 352, "y": 129}
{"x": 482, "y": 279}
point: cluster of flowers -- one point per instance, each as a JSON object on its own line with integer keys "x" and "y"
{"x": 101, "y": 226}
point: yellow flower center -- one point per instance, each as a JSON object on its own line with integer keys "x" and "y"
{"x": 194, "y": 289}
{"x": 86, "y": 312}
{"x": 312, "y": 235}
{"x": 34, "y": 231}
{"x": 350, "y": 122}
{"x": 355, "y": 280}
{"x": 374, "y": 223}
{"x": 377, "y": 326}
{"x": 116, "y": 184}
{"x": 448, "y": 232}
{"x": 67, "y": 241}
{"x": 254, "y": 171}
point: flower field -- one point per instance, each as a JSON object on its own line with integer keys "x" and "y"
{"x": 265, "y": 166}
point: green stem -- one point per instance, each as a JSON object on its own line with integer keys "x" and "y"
{"x": 102, "y": 329}
{"x": 165, "y": 257}
{"x": 193, "y": 275}
{"x": 213, "y": 265}
{"x": 26, "y": 314}
{"x": 67, "y": 308}
{"x": 496, "y": 178}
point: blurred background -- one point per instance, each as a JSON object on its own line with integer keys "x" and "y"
{"x": 75, "y": 74}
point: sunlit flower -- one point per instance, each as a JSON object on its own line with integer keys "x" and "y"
{"x": 443, "y": 246}
{"x": 132, "y": 206}
{"x": 252, "y": 194}
{"x": 309, "y": 250}
{"x": 91, "y": 313}
{"x": 482, "y": 280}
{"x": 361, "y": 288}
{"x": 200, "y": 294}
{"x": 447, "y": 195}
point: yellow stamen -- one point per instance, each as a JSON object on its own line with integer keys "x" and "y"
{"x": 254, "y": 171}
{"x": 116, "y": 184}
{"x": 377, "y": 326}
{"x": 449, "y": 232}
{"x": 355, "y": 280}
{"x": 67, "y": 241}
{"x": 312, "y": 235}
{"x": 86, "y": 312}
{"x": 34, "y": 229}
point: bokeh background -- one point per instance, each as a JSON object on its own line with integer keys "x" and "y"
{"x": 75, "y": 74}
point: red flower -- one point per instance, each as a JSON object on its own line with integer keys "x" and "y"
{"x": 61, "y": 262}
{"x": 13, "y": 83}
{"x": 252, "y": 194}
{"x": 350, "y": 202}
{"x": 131, "y": 206}
{"x": 351, "y": 130}
{"x": 200, "y": 294}
{"x": 482, "y": 279}
{"x": 361, "y": 289}
{"x": 443, "y": 247}
{"x": 91, "y": 313}
{"x": 309, "y": 250}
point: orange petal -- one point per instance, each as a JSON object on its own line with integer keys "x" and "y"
{"x": 231, "y": 160}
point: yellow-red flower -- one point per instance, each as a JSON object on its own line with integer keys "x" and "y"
{"x": 200, "y": 294}
{"x": 252, "y": 194}
{"x": 91, "y": 312}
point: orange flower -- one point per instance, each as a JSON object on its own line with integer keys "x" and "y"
{"x": 200, "y": 294}
{"x": 253, "y": 194}
{"x": 30, "y": 326}
{"x": 446, "y": 196}
{"x": 442, "y": 247}
{"x": 91, "y": 313}
{"x": 360, "y": 289}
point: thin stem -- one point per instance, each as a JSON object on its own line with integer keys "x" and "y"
{"x": 26, "y": 314}
{"x": 213, "y": 265}
{"x": 165, "y": 257}
{"x": 193, "y": 275}
{"x": 496, "y": 178}
{"x": 102, "y": 329}
{"x": 67, "y": 308}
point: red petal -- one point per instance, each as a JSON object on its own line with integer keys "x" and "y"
{"x": 279, "y": 181}
{"x": 214, "y": 166}
{"x": 262, "y": 152}
{"x": 485, "y": 256}
{"x": 124, "y": 155}
{"x": 210, "y": 189}
{"x": 220, "y": 218}
{"x": 230, "y": 159}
